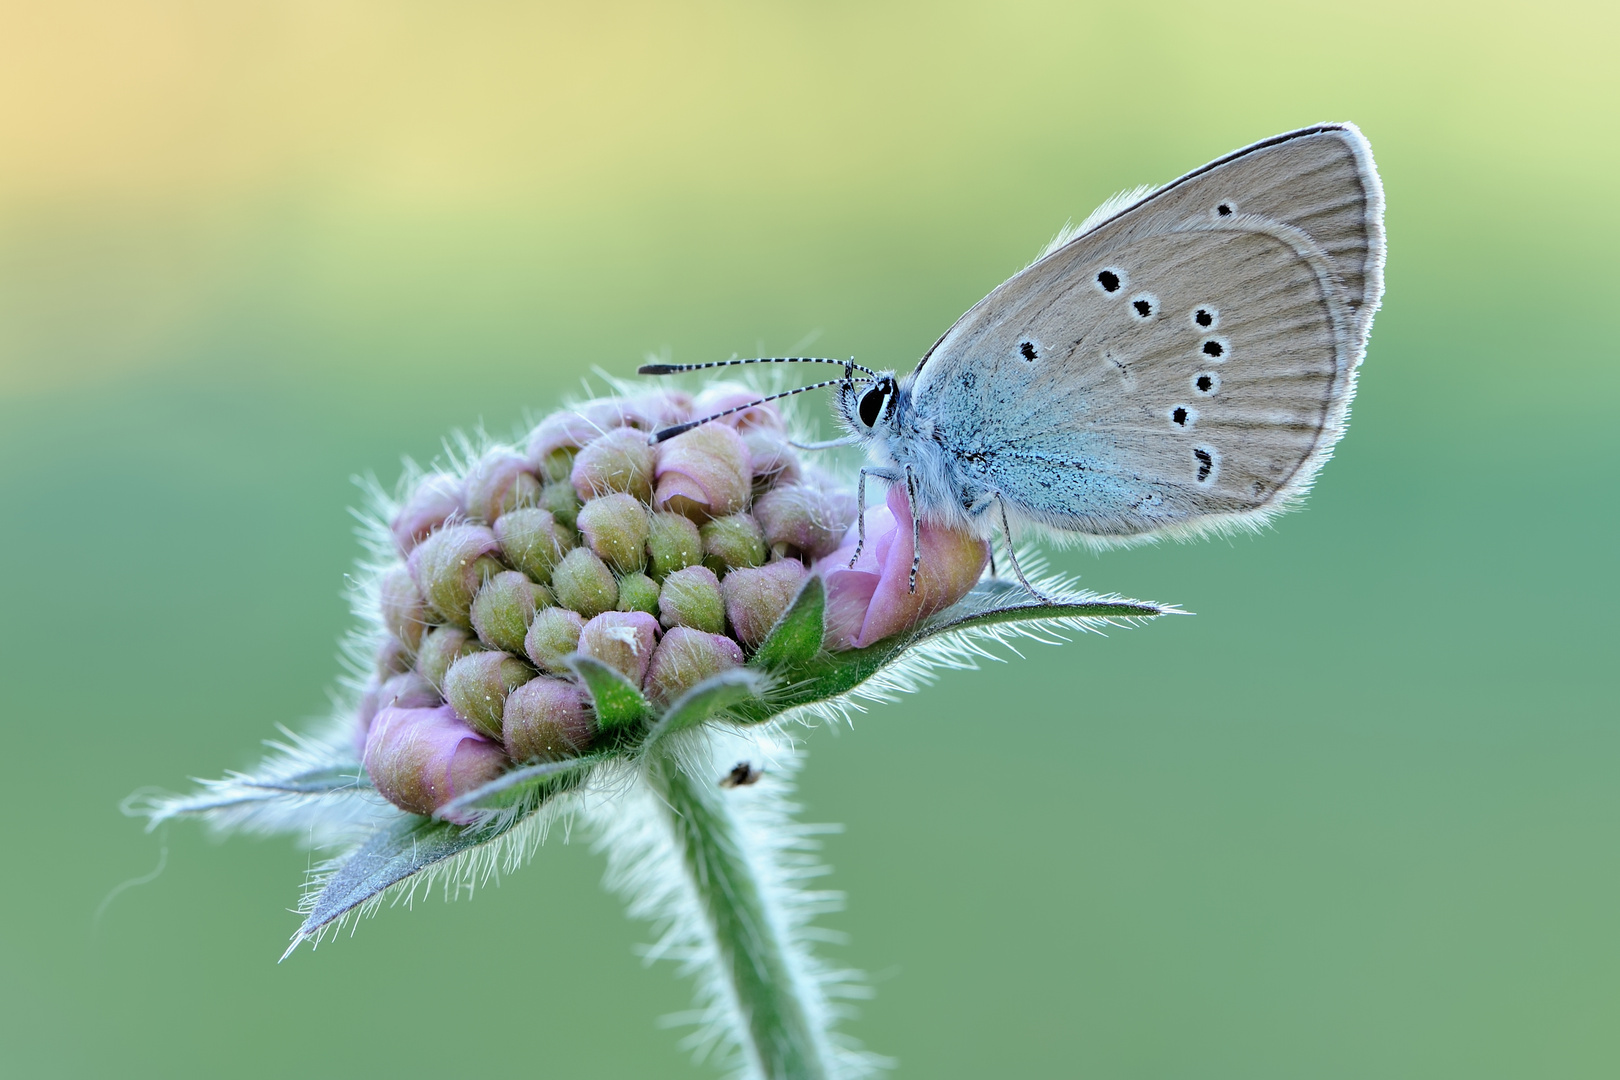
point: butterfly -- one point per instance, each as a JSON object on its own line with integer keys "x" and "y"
{"x": 1181, "y": 363}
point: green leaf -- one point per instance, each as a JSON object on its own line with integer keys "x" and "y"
{"x": 709, "y": 697}
{"x": 796, "y": 637}
{"x": 524, "y": 788}
{"x": 408, "y": 847}
{"x": 619, "y": 704}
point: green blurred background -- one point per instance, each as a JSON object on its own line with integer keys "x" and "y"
{"x": 1358, "y": 818}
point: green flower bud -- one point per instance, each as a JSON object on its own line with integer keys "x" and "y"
{"x": 498, "y": 482}
{"x": 623, "y": 640}
{"x": 547, "y": 719}
{"x": 503, "y": 609}
{"x": 756, "y": 598}
{"x": 404, "y": 612}
{"x": 730, "y": 542}
{"x": 552, "y": 635}
{"x": 638, "y": 592}
{"x": 533, "y": 541}
{"x": 441, "y": 647}
{"x": 616, "y": 528}
{"x": 476, "y": 687}
{"x": 691, "y": 597}
{"x": 621, "y": 460}
{"x": 674, "y": 543}
{"x": 685, "y": 658}
{"x": 704, "y": 473}
{"x": 562, "y": 500}
{"x": 558, "y": 464}
{"x": 583, "y": 583}
{"x": 450, "y": 566}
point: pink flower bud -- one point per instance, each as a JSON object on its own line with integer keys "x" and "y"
{"x": 533, "y": 541}
{"x": 503, "y": 609}
{"x": 756, "y": 598}
{"x": 499, "y": 481}
{"x": 583, "y": 583}
{"x": 420, "y": 759}
{"x": 615, "y": 526}
{"x": 441, "y": 647}
{"x": 547, "y": 720}
{"x": 685, "y": 658}
{"x": 477, "y": 686}
{"x": 730, "y": 542}
{"x": 553, "y": 635}
{"x": 804, "y": 519}
{"x": 435, "y": 500}
{"x": 623, "y": 640}
{"x": 404, "y": 691}
{"x": 873, "y": 600}
{"x": 673, "y": 543}
{"x": 404, "y": 612}
{"x": 573, "y": 428}
{"x": 393, "y": 657}
{"x": 704, "y": 473}
{"x": 450, "y": 566}
{"x": 771, "y": 457}
{"x": 723, "y": 396}
{"x": 621, "y": 460}
{"x": 691, "y": 597}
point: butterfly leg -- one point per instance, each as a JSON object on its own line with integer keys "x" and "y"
{"x": 860, "y": 501}
{"x": 1012, "y": 557}
{"x": 916, "y": 528}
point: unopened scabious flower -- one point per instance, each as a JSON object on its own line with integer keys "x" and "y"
{"x": 594, "y": 623}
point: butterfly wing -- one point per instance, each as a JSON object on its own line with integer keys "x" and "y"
{"x": 1186, "y": 364}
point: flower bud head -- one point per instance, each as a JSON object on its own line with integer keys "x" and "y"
{"x": 441, "y": 647}
{"x": 450, "y": 566}
{"x": 503, "y": 609}
{"x": 562, "y": 500}
{"x": 638, "y": 592}
{"x": 499, "y": 481}
{"x": 404, "y": 612}
{"x": 623, "y": 640}
{"x": 756, "y": 598}
{"x": 804, "y": 519}
{"x": 553, "y": 634}
{"x": 435, "y": 499}
{"x": 771, "y": 456}
{"x": 704, "y": 473}
{"x": 547, "y": 720}
{"x": 574, "y": 428}
{"x": 583, "y": 583}
{"x": 723, "y": 396}
{"x": 477, "y": 685}
{"x": 393, "y": 657}
{"x": 616, "y": 528}
{"x": 685, "y": 658}
{"x": 621, "y": 460}
{"x": 404, "y": 691}
{"x": 673, "y": 543}
{"x": 691, "y": 597}
{"x": 874, "y": 600}
{"x": 533, "y": 541}
{"x": 730, "y": 542}
{"x": 420, "y": 759}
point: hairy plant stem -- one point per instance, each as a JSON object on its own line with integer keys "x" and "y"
{"x": 779, "y": 1034}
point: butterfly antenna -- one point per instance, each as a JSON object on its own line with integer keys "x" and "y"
{"x": 671, "y": 432}
{"x": 675, "y": 369}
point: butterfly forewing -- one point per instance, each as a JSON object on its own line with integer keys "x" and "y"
{"x": 1177, "y": 367}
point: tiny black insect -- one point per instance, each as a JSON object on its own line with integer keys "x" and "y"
{"x": 741, "y": 775}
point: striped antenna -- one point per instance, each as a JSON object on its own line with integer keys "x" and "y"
{"x": 675, "y": 369}
{"x": 671, "y": 432}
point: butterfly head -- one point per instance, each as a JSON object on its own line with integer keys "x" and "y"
{"x": 869, "y": 406}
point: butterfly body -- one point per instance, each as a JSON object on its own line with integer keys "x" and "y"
{"x": 1183, "y": 364}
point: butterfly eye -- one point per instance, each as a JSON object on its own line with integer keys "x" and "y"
{"x": 872, "y": 405}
